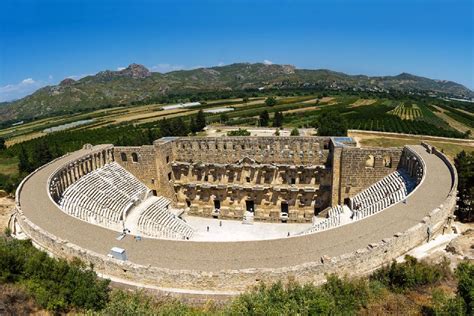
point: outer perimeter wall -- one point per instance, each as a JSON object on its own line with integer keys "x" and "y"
{"x": 200, "y": 266}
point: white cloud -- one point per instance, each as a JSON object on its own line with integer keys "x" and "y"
{"x": 120, "y": 68}
{"x": 18, "y": 90}
{"x": 77, "y": 77}
{"x": 166, "y": 68}
{"x": 267, "y": 62}
{"x": 28, "y": 81}
{"x": 220, "y": 64}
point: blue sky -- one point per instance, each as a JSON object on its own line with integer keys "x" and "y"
{"x": 43, "y": 42}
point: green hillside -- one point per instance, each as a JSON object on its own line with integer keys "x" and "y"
{"x": 137, "y": 85}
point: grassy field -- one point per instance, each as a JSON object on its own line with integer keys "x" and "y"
{"x": 379, "y": 114}
{"x": 8, "y": 165}
{"x": 450, "y": 148}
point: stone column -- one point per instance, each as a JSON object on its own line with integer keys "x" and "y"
{"x": 336, "y": 176}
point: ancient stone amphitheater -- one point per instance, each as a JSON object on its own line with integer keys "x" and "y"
{"x": 349, "y": 209}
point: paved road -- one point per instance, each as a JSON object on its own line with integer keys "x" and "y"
{"x": 212, "y": 256}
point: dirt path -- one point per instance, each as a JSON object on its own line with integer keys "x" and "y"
{"x": 7, "y": 205}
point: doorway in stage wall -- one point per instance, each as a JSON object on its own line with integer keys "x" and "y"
{"x": 317, "y": 210}
{"x": 217, "y": 204}
{"x": 284, "y": 207}
{"x": 250, "y": 206}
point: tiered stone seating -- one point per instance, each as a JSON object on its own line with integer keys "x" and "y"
{"x": 379, "y": 196}
{"x": 102, "y": 196}
{"x": 384, "y": 193}
{"x": 330, "y": 222}
{"x": 157, "y": 221}
{"x": 335, "y": 211}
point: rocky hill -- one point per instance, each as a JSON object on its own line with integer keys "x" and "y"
{"x": 137, "y": 83}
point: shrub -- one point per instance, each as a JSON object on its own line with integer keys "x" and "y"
{"x": 278, "y": 299}
{"x": 411, "y": 274}
{"x": 348, "y": 295}
{"x": 270, "y": 101}
{"x": 56, "y": 285}
{"x": 465, "y": 290}
{"x": 295, "y": 132}
{"x": 239, "y": 132}
{"x": 442, "y": 304}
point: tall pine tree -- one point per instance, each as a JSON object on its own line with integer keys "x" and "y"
{"x": 24, "y": 165}
{"x": 200, "y": 120}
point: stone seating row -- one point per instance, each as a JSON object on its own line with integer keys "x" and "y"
{"x": 335, "y": 211}
{"x": 327, "y": 223}
{"x": 382, "y": 189}
{"x": 103, "y": 194}
{"x": 380, "y": 205}
{"x": 156, "y": 220}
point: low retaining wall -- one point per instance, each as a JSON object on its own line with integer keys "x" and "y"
{"x": 360, "y": 262}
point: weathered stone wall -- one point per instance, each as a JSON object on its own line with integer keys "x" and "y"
{"x": 289, "y": 150}
{"x": 361, "y": 167}
{"x": 204, "y": 187}
{"x": 164, "y": 173}
{"x": 139, "y": 161}
{"x": 360, "y": 262}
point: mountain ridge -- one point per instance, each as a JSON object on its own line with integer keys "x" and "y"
{"x": 137, "y": 83}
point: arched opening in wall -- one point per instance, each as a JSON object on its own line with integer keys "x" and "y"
{"x": 134, "y": 157}
{"x": 154, "y": 192}
{"x": 188, "y": 203}
{"x": 123, "y": 156}
{"x": 284, "y": 207}
{"x": 284, "y": 211}
{"x": 217, "y": 204}
{"x": 317, "y": 210}
{"x": 370, "y": 162}
{"x": 250, "y": 206}
{"x": 387, "y": 161}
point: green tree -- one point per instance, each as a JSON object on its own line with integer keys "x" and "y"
{"x": 200, "y": 121}
{"x": 2, "y": 143}
{"x": 295, "y": 132}
{"x": 24, "y": 165}
{"x": 192, "y": 125}
{"x": 264, "y": 118}
{"x": 165, "y": 127}
{"x": 464, "y": 163}
{"x": 278, "y": 119}
{"x": 270, "y": 101}
{"x": 41, "y": 153}
{"x": 331, "y": 123}
{"x": 224, "y": 118}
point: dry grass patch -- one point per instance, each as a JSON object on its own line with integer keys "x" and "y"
{"x": 362, "y": 102}
{"x": 450, "y": 149}
{"x": 452, "y": 122}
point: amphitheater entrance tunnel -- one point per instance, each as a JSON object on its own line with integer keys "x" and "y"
{"x": 250, "y": 206}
